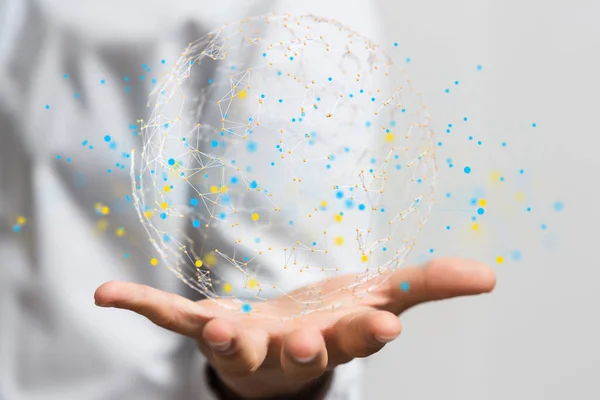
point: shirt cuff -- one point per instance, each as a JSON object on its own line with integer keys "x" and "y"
{"x": 346, "y": 383}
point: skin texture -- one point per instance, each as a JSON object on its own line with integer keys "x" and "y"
{"x": 263, "y": 357}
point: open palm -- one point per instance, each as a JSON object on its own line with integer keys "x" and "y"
{"x": 261, "y": 356}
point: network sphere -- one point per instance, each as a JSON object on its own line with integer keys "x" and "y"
{"x": 284, "y": 157}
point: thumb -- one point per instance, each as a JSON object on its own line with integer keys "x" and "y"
{"x": 439, "y": 279}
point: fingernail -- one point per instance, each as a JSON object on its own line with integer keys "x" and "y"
{"x": 305, "y": 360}
{"x": 221, "y": 347}
{"x": 385, "y": 339}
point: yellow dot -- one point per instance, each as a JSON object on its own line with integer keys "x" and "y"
{"x": 102, "y": 224}
{"x": 390, "y": 137}
{"x": 105, "y": 210}
{"x": 339, "y": 240}
{"x": 167, "y": 188}
{"x": 252, "y": 283}
{"x": 255, "y": 217}
{"x": 153, "y": 261}
{"x": 214, "y": 189}
{"x": 495, "y": 176}
{"x": 323, "y": 204}
{"x": 21, "y": 220}
{"x": 499, "y": 259}
{"x": 210, "y": 259}
{"x": 338, "y": 218}
{"x": 164, "y": 205}
{"x": 520, "y": 196}
{"x": 364, "y": 258}
{"x": 148, "y": 214}
{"x": 120, "y": 231}
{"x": 475, "y": 226}
{"x": 482, "y": 202}
{"x": 223, "y": 189}
{"x": 227, "y": 288}
{"x": 198, "y": 263}
{"x": 242, "y": 94}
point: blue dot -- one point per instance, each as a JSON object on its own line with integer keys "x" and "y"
{"x": 456, "y": 82}
{"x": 395, "y": 44}
{"x": 447, "y": 90}
{"x": 534, "y": 125}
{"x": 447, "y": 227}
{"x": 405, "y": 286}
{"x": 431, "y": 250}
{"x": 163, "y": 216}
{"x": 196, "y": 223}
{"x": 171, "y": 161}
{"x": 465, "y": 119}
{"x": 76, "y": 95}
{"x": 448, "y": 195}
{"x": 479, "y": 67}
{"x": 107, "y": 138}
{"x": 544, "y": 227}
{"x": 253, "y": 185}
{"x": 559, "y": 206}
{"x": 480, "y": 211}
{"x": 246, "y": 308}
{"x": 194, "y": 201}
{"x": 103, "y": 81}
{"x": 47, "y": 106}
{"x": 251, "y": 146}
{"x": 408, "y": 59}
{"x": 214, "y": 143}
{"x": 516, "y": 255}
{"x": 65, "y": 76}
{"x": 361, "y": 207}
{"x": 467, "y": 170}
{"x": 281, "y": 100}
{"x": 16, "y": 228}
{"x": 339, "y": 194}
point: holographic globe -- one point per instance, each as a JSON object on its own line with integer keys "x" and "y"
{"x": 281, "y": 154}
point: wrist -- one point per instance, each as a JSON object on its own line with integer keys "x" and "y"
{"x": 259, "y": 386}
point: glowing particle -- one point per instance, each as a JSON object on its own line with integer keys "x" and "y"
{"x": 167, "y": 188}
{"x": 120, "y": 231}
{"x": 21, "y": 220}
{"x": 242, "y": 94}
{"x": 389, "y": 137}
{"x": 153, "y": 261}
{"x": 482, "y": 202}
{"x": 246, "y": 308}
{"x": 171, "y": 161}
{"x": 475, "y": 226}
{"x": 516, "y": 255}
{"x": 47, "y": 106}
{"x": 107, "y": 138}
{"x": 364, "y": 258}
{"x": 252, "y": 283}
{"x": 223, "y": 189}
{"x": 105, "y": 210}
{"x": 520, "y": 196}
{"x": 481, "y": 211}
{"x": 495, "y": 176}
{"x": 339, "y": 240}
{"x": 227, "y": 287}
{"x": 559, "y": 206}
{"x": 164, "y": 205}
{"x": 210, "y": 259}
{"x": 499, "y": 259}
{"x": 533, "y": 125}
{"x": 148, "y": 214}
{"x": 198, "y": 263}
{"x": 467, "y": 170}
{"x": 214, "y": 189}
{"x": 479, "y": 67}
{"x": 405, "y": 286}
{"x": 338, "y": 217}
{"x": 255, "y": 216}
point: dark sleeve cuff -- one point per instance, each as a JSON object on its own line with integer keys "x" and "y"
{"x": 316, "y": 391}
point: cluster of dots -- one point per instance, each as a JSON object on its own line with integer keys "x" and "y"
{"x": 283, "y": 152}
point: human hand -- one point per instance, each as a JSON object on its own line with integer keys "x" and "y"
{"x": 259, "y": 357}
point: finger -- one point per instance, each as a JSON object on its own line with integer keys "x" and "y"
{"x": 361, "y": 334}
{"x": 438, "y": 279}
{"x": 303, "y": 354}
{"x": 166, "y": 310}
{"x": 235, "y": 351}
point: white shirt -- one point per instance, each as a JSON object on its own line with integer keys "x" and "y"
{"x": 54, "y": 342}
